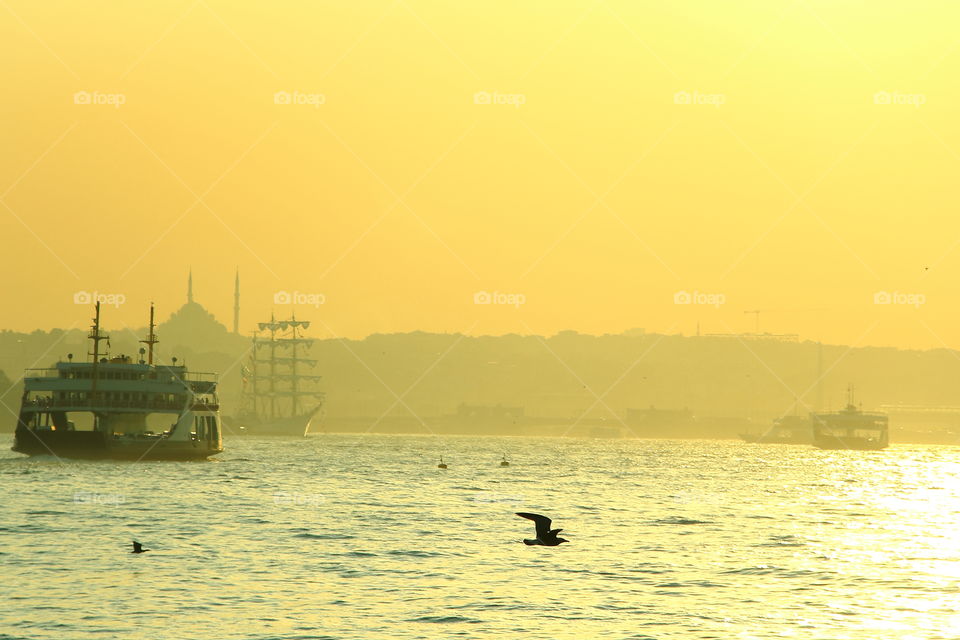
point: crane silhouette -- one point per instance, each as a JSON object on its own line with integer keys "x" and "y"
{"x": 756, "y": 313}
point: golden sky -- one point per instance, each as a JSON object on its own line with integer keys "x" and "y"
{"x": 586, "y": 160}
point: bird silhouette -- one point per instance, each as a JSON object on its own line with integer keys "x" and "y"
{"x": 138, "y": 548}
{"x": 545, "y": 535}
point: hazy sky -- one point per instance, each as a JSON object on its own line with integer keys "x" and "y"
{"x": 586, "y": 160}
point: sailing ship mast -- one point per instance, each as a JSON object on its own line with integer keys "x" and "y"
{"x": 294, "y": 380}
{"x": 273, "y": 368}
{"x": 253, "y": 376}
{"x": 282, "y": 373}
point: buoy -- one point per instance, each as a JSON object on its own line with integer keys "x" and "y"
{"x": 442, "y": 464}
{"x": 504, "y": 463}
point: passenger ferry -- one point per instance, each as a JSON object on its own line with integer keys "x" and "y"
{"x": 114, "y": 408}
{"x": 851, "y": 428}
{"x": 785, "y": 430}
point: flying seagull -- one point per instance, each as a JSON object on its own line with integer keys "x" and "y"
{"x": 138, "y": 548}
{"x": 545, "y": 535}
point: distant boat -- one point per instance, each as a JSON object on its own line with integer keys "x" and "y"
{"x": 851, "y": 428}
{"x": 785, "y": 430}
{"x": 109, "y": 407}
{"x": 278, "y": 398}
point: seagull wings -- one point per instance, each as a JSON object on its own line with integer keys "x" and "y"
{"x": 542, "y": 523}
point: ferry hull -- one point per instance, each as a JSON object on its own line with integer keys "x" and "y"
{"x": 762, "y": 439}
{"x": 91, "y": 445}
{"x": 857, "y": 444}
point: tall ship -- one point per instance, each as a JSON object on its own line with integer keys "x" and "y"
{"x": 115, "y": 408}
{"x": 784, "y": 430}
{"x": 279, "y": 397}
{"x": 851, "y": 428}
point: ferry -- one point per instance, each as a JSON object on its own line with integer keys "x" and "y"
{"x": 851, "y": 428}
{"x": 784, "y": 430}
{"x": 114, "y": 408}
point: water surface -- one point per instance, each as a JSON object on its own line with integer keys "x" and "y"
{"x": 361, "y": 536}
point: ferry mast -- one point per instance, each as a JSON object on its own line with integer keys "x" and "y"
{"x": 96, "y": 336}
{"x": 151, "y": 338}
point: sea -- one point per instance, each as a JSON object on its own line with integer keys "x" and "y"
{"x": 364, "y": 537}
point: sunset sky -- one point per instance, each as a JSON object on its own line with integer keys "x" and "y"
{"x": 587, "y": 161}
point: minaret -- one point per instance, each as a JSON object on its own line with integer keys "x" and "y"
{"x": 236, "y": 303}
{"x": 190, "y": 286}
